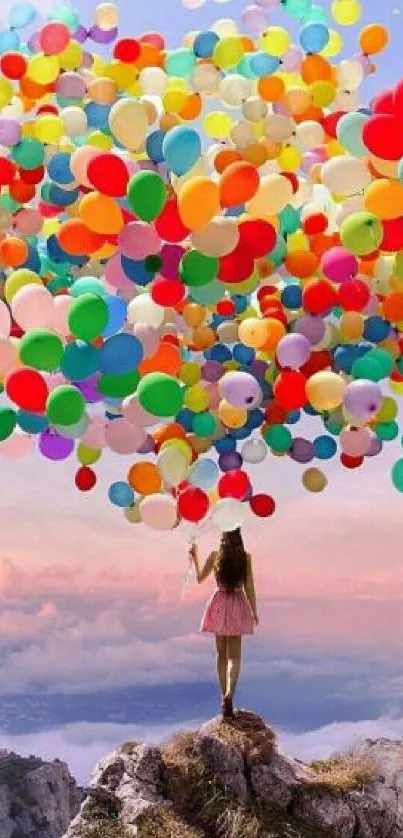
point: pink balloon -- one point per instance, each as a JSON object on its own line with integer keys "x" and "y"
{"x": 339, "y": 265}
{"x": 33, "y": 307}
{"x": 148, "y": 337}
{"x": 139, "y": 240}
{"x": 355, "y": 442}
{"x": 54, "y": 380}
{"x": 61, "y": 310}
{"x": 114, "y": 274}
{"x": 159, "y": 512}
{"x": 8, "y": 355}
{"x": 254, "y": 19}
{"x": 5, "y": 319}
{"x": 292, "y": 60}
{"x": 94, "y": 436}
{"x": 54, "y": 37}
{"x": 135, "y": 414}
{"x": 213, "y": 393}
{"x": 17, "y": 446}
{"x": 122, "y": 437}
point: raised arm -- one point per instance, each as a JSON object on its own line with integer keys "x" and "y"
{"x": 202, "y": 572}
{"x": 250, "y": 589}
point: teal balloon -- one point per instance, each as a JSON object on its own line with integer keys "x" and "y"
{"x": 41, "y": 350}
{"x": 279, "y": 438}
{"x": 180, "y": 62}
{"x": 387, "y": 431}
{"x": 8, "y": 421}
{"x": 31, "y": 423}
{"x": 160, "y": 394}
{"x": 198, "y": 269}
{"x": 290, "y": 220}
{"x": 397, "y": 475}
{"x": 315, "y": 13}
{"x": 349, "y": 133}
{"x": 74, "y": 431}
{"x": 88, "y": 285}
{"x": 80, "y": 361}
{"x": 88, "y": 317}
{"x": 181, "y": 149}
{"x": 367, "y": 368}
{"x": 384, "y": 359}
{"x": 279, "y": 252}
{"x": 65, "y": 405}
{"x": 66, "y": 14}
{"x": 118, "y": 386}
{"x": 245, "y": 67}
{"x": 208, "y": 294}
{"x": 204, "y": 424}
{"x": 28, "y": 153}
{"x": 147, "y": 195}
{"x": 297, "y": 8}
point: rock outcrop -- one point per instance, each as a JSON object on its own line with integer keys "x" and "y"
{"x": 230, "y": 780}
{"x": 37, "y": 799}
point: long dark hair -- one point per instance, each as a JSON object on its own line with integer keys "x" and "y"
{"x": 231, "y": 564}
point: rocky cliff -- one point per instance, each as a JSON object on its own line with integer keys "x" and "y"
{"x": 37, "y": 799}
{"x": 230, "y": 780}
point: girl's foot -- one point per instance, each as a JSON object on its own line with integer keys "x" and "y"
{"x": 227, "y": 708}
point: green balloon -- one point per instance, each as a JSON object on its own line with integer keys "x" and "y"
{"x": 208, "y": 294}
{"x": 398, "y": 264}
{"x": 8, "y": 421}
{"x": 397, "y": 475}
{"x": 42, "y": 350}
{"x": 361, "y": 233}
{"x": 29, "y": 153}
{"x": 147, "y": 195}
{"x": 88, "y": 317}
{"x": 279, "y": 438}
{"x": 384, "y": 359}
{"x": 204, "y": 424}
{"x": 160, "y": 394}
{"x": 197, "y": 269}
{"x": 368, "y": 368}
{"x": 118, "y": 386}
{"x": 88, "y": 456}
{"x": 65, "y": 405}
{"x": 386, "y": 431}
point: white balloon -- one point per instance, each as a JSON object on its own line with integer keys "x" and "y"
{"x": 234, "y": 89}
{"x": 153, "y": 81}
{"x": 350, "y": 75}
{"x": 173, "y": 465}
{"x": 254, "y": 451}
{"x": 144, "y": 310}
{"x": 228, "y": 514}
{"x": 225, "y": 27}
{"x": 345, "y": 175}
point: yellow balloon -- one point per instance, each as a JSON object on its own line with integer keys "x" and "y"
{"x": 387, "y": 411}
{"x": 199, "y": 202}
{"x": 232, "y": 417}
{"x": 49, "y": 128}
{"x": 174, "y": 100}
{"x": 228, "y": 52}
{"x": 323, "y": 93}
{"x": 196, "y": 398}
{"x": 254, "y": 332}
{"x": 346, "y": 12}
{"x": 6, "y": 92}
{"x": 19, "y": 279}
{"x": 276, "y": 41}
{"x": 289, "y": 159}
{"x": 217, "y": 124}
{"x": 72, "y": 56}
{"x": 325, "y": 390}
{"x": 334, "y": 44}
{"x": 314, "y": 480}
{"x": 43, "y": 69}
{"x": 122, "y": 74}
{"x": 190, "y": 373}
{"x": 100, "y": 140}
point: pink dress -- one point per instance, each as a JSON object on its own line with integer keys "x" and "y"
{"x": 228, "y": 613}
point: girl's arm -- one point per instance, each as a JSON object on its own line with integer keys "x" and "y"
{"x": 204, "y": 572}
{"x": 250, "y": 590}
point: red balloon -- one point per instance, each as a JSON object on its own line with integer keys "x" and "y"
{"x": 257, "y": 236}
{"x": 27, "y": 389}
{"x": 127, "y": 50}
{"x": 193, "y": 505}
{"x": 318, "y": 296}
{"x": 167, "y": 292}
{"x": 292, "y": 177}
{"x": 392, "y": 235}
{"x": 397, "y": 100}
{"x": 226, "y": 308}
{"x": 234, "y": 484}
{"x": 315, "y": 223}
{"x": 330, "y": 121}
{"x": 384, "y": 103}
{"x": 318, "y": 361}
{"x": 262, "y": 505}
{"x": 289, "y": 389}
{"x": 13, "y": 65}
{"x": 236, "y": 266}
{"x": 383, "y": 137}
{"x": 169, "y": 224}
{"x": 85, "y": 479}
{"x": 354, "y": 295}
{"x": 108, "y": 173}
{"x": 7, "y": 170}
{"x": 351, "y": 462}
{"x": 32, "y": 176}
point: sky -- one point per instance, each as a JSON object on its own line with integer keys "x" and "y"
{"x": 98, "y": 643}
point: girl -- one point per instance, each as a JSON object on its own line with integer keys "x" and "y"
{"x": 231, "y": 611}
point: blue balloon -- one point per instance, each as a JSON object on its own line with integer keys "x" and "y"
{"x": 256, "y": 418}
{"x": 154, "y": 146}
{"x": 59, "y": 168}
{"x": 21, "y": 15}
{"x": 218, "y": 353}
{"x": 56, "y": 254}
{"x": 263, "y": 64}
{"x": 136, "y": 271}
{"x": 120, "y": 354}
{"x": 97, "y": 115}
{"x": 121, "y": 494}
{"x": 62, "y": 197}
{"x": 376, "y": 329}
{"x": 243, "y": 354}
{"x": 344, "y": 357}
{"x": 314, "y": 36}
{"x": 226, "y": 445}
{"x": 324, "y": 447}
{"x": 117, "y": 308}
{"x": 185, "y": 418}
{"x": 204, "y": 44}
{"x": 9, "y": 41}
{"x": 204, "y": 474}
{"x": 33, "y": 262}
{"x": 80, "y": 361}
{"x": 240, "y": 302}
{"x": 31, "y": 423}
{"x": 291, "y": 297}
{"x": 181, "y": 149}
{"x": 293, "y": 417}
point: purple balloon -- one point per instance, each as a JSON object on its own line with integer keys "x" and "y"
{"x": 240, "y": 389}
{"x": 147, "y": 447}
{"x": 212, "y": 371}
{"x": 102, "y": 36}
{"x": 81, "y": 34}
{"x": 302, "y": 450}
{"x": 55, "y": 447}
{"x": 10, "y": 132}
{"x": 375, "y": 447}
{"x": 293, "y": 351}
{"x": 171, "y": 255}
{"x": 362, "y": 398}
{"x": 89, "y": 389}
{"x": 230, "y": 461}
{"x": 71, "y": 86}
{"x": 312, "y": 327}
{"x": 258, "y": 368}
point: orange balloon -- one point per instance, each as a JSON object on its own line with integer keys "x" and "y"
{"x": 373, "y": 38}
{"x": 76, "y": 239}
{"x": 315, "y": 68}
{"x": 203, "y": 337}
{"x": 21, "y": 191}
{"x": 393, "y": 307}
{"x": 256, "y": 153}
{"x": 238, "y": 184}
{"x": 150, "y": 56}
{"x": 166, "y": 359}
{"x": 225, "y": 158}
{"x": 384, "y": 198}
{"x": 13, "y": 251}
{"x": 101, "y": 214}
{"x": 271, "y": 88}
{"x": 312, "y": 114}
{"x": 199, "y": 202}
{"x": 144, "y": 478}
{"x": 301, "y": 263}
{"x": 174, "y": 430}
{"x": 192, "y": 107}
{"x": 31, "y": 89}
{"x": 275, "y": 330}
{"x": 320, "y": 243}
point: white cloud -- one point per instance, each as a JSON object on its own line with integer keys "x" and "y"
{"x": 339, "y": 736}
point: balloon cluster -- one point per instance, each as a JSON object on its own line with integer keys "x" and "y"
{"x": 183, "y": 282}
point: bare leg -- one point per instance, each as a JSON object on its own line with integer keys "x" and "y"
{"x": 234, "y": 647}
{"x": 221, "y": 643}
